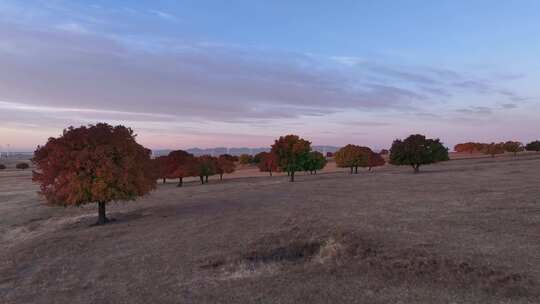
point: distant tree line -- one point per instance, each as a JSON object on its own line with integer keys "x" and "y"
{"x": 497, "y": 148}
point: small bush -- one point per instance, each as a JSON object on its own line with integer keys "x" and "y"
{"x": 22, "y": 166}
{"x": 2, "y": 167}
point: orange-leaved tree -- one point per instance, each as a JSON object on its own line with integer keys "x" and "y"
{"x": 180, "y": 164}
{"x": 93, "y": 164}
{"x": 268, "y": 163}
{"x": 469, "y": 147}
{"x": 352, "y": 156}
{"x": 292, "y": 152}
{"x": 225, "y": 164}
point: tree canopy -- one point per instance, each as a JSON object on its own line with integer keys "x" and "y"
{"x": 93, "y": 164}
{"x": 417, "y": 150}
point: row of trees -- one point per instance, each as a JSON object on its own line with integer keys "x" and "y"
{"x": 352, "y": 156}
{"x": 101, "y": 163}
{"x": 497, "y": 148}
{"x": 180, "y": 164}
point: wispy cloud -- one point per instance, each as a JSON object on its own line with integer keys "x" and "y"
{"x": 476, "y": 110}
{"x": 163, "y": 15}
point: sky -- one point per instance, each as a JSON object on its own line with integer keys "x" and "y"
{"x": 241, "y": 73}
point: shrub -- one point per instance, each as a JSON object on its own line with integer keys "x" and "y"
{"x": 533, "y": 146}
{"x": 22, "y": 166}
{"x": 292, "y": 153}
{"x": 417, "y": 150}
{"x": 95, "y": 164}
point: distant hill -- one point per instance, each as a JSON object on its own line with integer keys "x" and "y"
{"x": 236, "y": 151}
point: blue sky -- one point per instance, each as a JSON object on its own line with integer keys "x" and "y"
{"x": 240, "y": 73}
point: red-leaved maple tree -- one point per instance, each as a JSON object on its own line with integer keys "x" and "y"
{"x": 93, "y": 164}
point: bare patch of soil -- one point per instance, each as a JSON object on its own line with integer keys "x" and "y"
{"x": 293, "y": 249}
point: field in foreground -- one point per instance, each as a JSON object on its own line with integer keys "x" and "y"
{"x": 465, "y": 231}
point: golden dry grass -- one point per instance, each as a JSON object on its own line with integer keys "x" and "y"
{"x": 464, "y": 231}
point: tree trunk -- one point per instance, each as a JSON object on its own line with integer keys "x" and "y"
{"x": 202, "y": 179}
{"x": 206, "y": 179}
{"x": 270, "y": 172}
{"x": 315, "y": 172}
{"x": 292, "y": 176}
{"x": 180, "y": 182}
{"x": 351, "y": 170}
{"x": 356, "y": 170}
{"x": 369, "y": 169}
{"x": 288, "y": 173}
{"x": 102, "y": 217}
{"x": 164, "y": 180}
{"x": 221, "y": 176}
{"x": 416, "y": 168}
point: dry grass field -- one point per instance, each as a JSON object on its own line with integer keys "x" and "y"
{"x": 464, "y": 231}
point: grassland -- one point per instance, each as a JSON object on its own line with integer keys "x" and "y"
{"x": 464, "y": 231}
